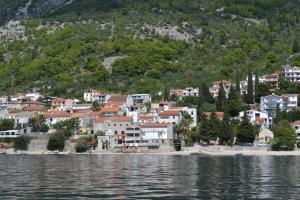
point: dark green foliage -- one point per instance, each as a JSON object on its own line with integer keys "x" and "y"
{"x": 221, "y": 99}
{"x": 82, "y": 145}
{"x": 296, "y": 47}
{"x": 210, "y": 128}
{"x": 7, "y": 124}
{"x": 284, "y": 136}
{"x": 234, "y": 103}
{"x": 279, "y": 116}
{"x": 21, "y": 143}
{"x": 38, "y": 124}
{"x": 96, "y": 106}
{"x": 246, "y": 133}
{"x": 183, "y": 128}
{"x": 256, "y": 89}
{"x": 226, "y": 132}
{"x": 206, "y": 94}
{"x": 56, "y": 142}
{"x": 249, "y": 96}
{"x": 67, "y": 127}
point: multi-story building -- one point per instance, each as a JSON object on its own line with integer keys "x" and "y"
{"x": 214, "y": 89}
{"x": 292, "y": 74}
{"x": 170, "y": 116}
{"x": 269, "y": 104}
{"x": 89, "y": 95}
{"x": 291, "y": 101}
{"x": 270, "y": 79}
{"x": 140, "y": 98}
{"x": 189, "y": 91}
{"x": 157, "y": 133}
{"x": 260, "y": 119}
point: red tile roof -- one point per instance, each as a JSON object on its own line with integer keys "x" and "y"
{"x": 120, "y": 119}
{"x": 54, "y": 114}
{"x": 146, "y": 117}
{"x": 110, "y": 109}
{"x": 155, "y": 125}
{"x": 170, "y": 113}
{"x": 33, "y": 102}
{"x": 297, "y": 123}
{"x": 259, "y": 120}
{"x": 114, "y": 103}
{"x": 101, "y": 120}
{"x": 35, "y": 108}
{"x": 220, "y": 115}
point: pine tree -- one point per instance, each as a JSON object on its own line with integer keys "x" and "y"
{"x": 215, "y": 126}
{"x": 237, "y": 83}
{"x": 256, "y": 89}
{"x": 245, "y": 132}
{"x": 221, "y": 100}
{"x": 226, "y": 132}
{"x": 233, "y": 103}
{"x": 249, "y": 97}
{"x": 204, "y": 133}
{"x": 296, "y": 47}
{"x": 206, "y": 94}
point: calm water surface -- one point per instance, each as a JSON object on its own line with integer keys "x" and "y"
{"x": 148, "y": 177}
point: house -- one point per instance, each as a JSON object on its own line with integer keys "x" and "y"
{"x": 17, "y": 97}
{"x": 21, "y": 118}
{"x": 270, "y": 79}
{"x": 62, "y": 104}
{"x": 111, "y": 111}
{"x": 156, "y": 134}
{"x": 81, "y": 107}
{"x": 89, "y": 95}
{"x": 269, "y": 104}
{"x": 219, "y": 115}
{"x": 189, "y": 91}
{"x": 133, "y": 136}
{"x": 291, "y": 101}
{"x": 170, "y": 116}
{"x": 214, "y": 89}
{"x": 48, "y": 99}
{"x": 140, "y": 98}
{"x": 136, "y": 110}
{"x": 33, "y": 96}
{"x": 163, "y": 105}
{"x": 112, "y": 125}
{"x": 260, "y": 119}
{"x": 56, "y": 116}
{"x": 143, "y": 119}
{"x": 265, "y": 136}
{"x": 3, "y": 102}
{"x": 291, "y": 74}
{"x": 191, "y": 111}
{"x": 100, "y": 98}
{"x": 296, "y": 126}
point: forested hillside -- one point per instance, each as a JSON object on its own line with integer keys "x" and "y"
{"x": 145, "y": 46}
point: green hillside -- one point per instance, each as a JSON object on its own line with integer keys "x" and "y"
{"x": 213, "y": 39}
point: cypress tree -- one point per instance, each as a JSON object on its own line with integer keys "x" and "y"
{"x": 256, "y": 89}
{"x": 279, "y": 116}
{"x": 226, "y": 132}
{"x": 221, "y": 100}
{"x": 233, "y": 103}
{"x": 246, "y": 132}
{"x": 215, "y": 126}
{"x": 295, "y": 46}
{"x": 206, "y": 94}
{"x": 237, "y": 83}
{"x": 249, "y": 98}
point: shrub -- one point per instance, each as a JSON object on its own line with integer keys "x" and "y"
{"x": 56, "y": 142}
{"x": 82, "y": 145}
{"x": 7, "y": 140}
{"x": 22, "y": 142}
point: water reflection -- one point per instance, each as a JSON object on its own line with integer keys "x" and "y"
{"x": 148, "y": 177}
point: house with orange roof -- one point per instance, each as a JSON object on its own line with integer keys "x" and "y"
{"x": 111, "y": 111}
{"x": 62, "y": 104}
{"x": 170, "y": 116}
{"x": 143, "y": 119}
{"x": 53, "y": 117}
{"x": 163, "y": 105}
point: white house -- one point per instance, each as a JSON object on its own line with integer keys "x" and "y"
{"x": 269, "y": 104}
{"x": 157, "y": 132}
{"x": 170, "y": 116}
{"x": 296, "y": 125}
{"x": 54, "y": 117}
{"x": 257, "y": 118}
{"x": 89, "y": 95}
{"x": 33, "y": 96}
{"x": 191, "y": 111}
{"x": 189, "y": 91}
{"x": 292, "y": 74}
{"x": 291, "y": 101}
{"x": 140, "y": 98}
{"x": 265, "y": 136}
